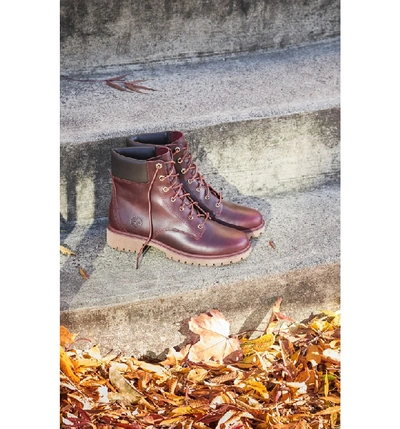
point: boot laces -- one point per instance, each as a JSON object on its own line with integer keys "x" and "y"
{"x": 196, "y": 174}
{"x": 185, "y": 198}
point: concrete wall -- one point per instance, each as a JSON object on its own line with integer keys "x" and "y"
{"x": 114, "y": 32}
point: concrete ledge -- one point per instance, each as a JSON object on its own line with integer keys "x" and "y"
{"x": 101, "y": 33}
{"x": 111, "y": 306}
{"x": 150, "y": 327}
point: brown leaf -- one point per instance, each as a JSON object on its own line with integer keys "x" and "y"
{"x": 111, "y": 79}
{"x": 137, "y": 88}
{"x": 116, "y": 86}
{"x": 128, "y": 394}
{"x": 272, "y": 244}
{"x": 214, "y": 343}
{"x": 65, "y": 251}
{"x": 83, "y": 273}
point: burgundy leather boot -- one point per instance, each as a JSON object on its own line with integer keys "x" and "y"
{"x": 243, "y": 218}
{"x": 149, "y": 206}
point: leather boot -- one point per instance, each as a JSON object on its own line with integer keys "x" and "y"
{"x": 149, "y": 206}
{"x": 243, "y": 218}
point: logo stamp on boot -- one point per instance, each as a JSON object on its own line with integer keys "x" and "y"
{"x": 136, "y": 221}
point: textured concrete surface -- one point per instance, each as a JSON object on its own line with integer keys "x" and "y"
{"x": 119, "y": 303}
{"x": 194, "y": 95}
{"x": 279, "y": 111}
{"x": 102, "y": 33}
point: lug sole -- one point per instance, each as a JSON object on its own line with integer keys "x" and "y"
{"x": 129, "y": 243}
{"x": 256, "y": 233}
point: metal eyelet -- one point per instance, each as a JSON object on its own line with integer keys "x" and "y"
{"x": 217, "y": 204}
{"x": 161, "y": 178}
{"x": 190, "y": 217}
{"x": 173, "y": 199}
{"x": 190, "y": 181}
{"x": 165, "y": 189}
{"x": 179, "y": 160}
{"x": 158, "y": 165}
{"x": 183, "y": 171}
{"x": 198, "y": 189}
{"x": 200, "y": 226}
{"x": 181, "y": 208}
{"x": 207, "y": 197}
{"x": 177, "y": 150}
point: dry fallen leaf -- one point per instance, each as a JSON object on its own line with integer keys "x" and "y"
{"x": 83, "y": 273}
{"x": 282, "y": 388}
{"x": 65, "y": 251}
{"x": 67, "y": 367}
{"x": 214, "y": 344}
{"x": 65, "y": 336}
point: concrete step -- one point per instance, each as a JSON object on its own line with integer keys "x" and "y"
{"x": 96, "y": 33}
{"x": 143, "y": 311}
{"x": 257, "y": 124}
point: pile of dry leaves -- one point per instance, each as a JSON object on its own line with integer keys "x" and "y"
{"x": 287, "y": 377}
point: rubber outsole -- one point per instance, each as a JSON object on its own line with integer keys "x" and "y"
{"x": 128, "y": 243}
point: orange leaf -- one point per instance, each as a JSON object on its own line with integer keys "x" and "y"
{"x": 65, "y": 336}
{"x": 330, "y": 410}
{"x": 83, "y": 273}
{"x": 67, "y": 367}
{"x": 65, "y": 251}
{"x": 215, "y": 343}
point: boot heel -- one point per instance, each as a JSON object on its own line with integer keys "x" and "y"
{"x": 123, "y": 242}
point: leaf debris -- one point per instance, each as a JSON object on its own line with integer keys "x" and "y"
{"x": 65, "y": 251}
{"x": 286, "y": 378}
{"x": 118, "y": 82}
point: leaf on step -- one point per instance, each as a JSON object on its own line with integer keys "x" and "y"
{"x": 116, "y": 86}
{"x": 65, "y": 336}
{"x": 65, "y": 251}
{"x": 83, "y": 273}
{"x": 214, "y": 344}
{"x": 134, "y": 87}
{"x": 120, "y": 77}
{"x": 272, "y": 244}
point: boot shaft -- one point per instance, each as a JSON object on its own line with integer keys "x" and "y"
{"x": 148, "y": 194}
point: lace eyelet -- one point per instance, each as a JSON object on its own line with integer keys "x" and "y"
{"x": 158, "y": 165}
{"x": 200, "y": 226}
{"x": 190, "y": 181}
{"x": 198, "y": 189}
{"x": 173, "y": 199}
{"x": 179, "y": 160}
{"x": 165, "y": 189}
{"x": 177, "y": 150}
{"x": 190, "y": 217}
{"x": 217, "y": 204}
{"x": 207, "y": 197}
{"x": 181, "y": 208}
{"x": 161, "y": 178}
{"x": 183, "y": 171}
